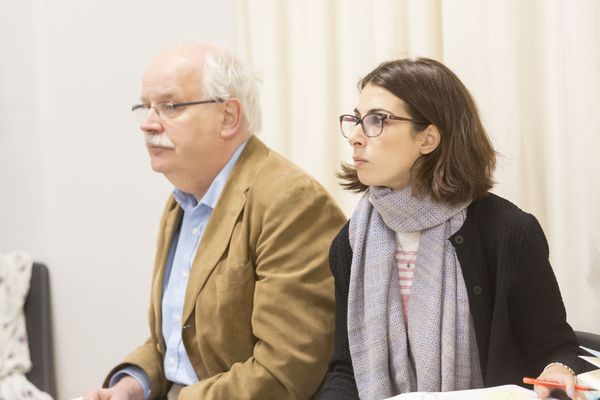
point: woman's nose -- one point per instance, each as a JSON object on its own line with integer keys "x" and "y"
{"x": 357, "y": 136}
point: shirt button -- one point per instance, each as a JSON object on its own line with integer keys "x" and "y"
{"x": 177, "y": 318}
{"x": 195, "y": 231}
{"x": 171, "y": 361}
{"x": 459, "y": 239}
{"x": 477, "y": 290}
{"x": 185, "y": 274}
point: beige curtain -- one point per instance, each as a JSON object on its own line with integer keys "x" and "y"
{"x": 532, "y": 66}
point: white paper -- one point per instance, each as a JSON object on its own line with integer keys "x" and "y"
{"x": 591, "y": 379}
{"x": 594, "y": 352}
{"x": 592, "y": 360}
{"x": 505, "y": 392}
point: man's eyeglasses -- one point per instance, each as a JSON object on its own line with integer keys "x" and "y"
{"x": 372, "y": 124}
{"x": 165, "y": 109}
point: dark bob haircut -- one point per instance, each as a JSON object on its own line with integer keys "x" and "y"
{"x": 461, "y": 167}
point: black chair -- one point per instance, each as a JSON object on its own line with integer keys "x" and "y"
{"x": 589, "y": 340}
{"x": 39, "y": 331}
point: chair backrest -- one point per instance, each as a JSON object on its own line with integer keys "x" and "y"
{"x": 589, "y": 340}
{"x": 39, "y": 331}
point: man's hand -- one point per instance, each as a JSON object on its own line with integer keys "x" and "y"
{"x": 558, "y": 373}
{"x": 128, "y": 388}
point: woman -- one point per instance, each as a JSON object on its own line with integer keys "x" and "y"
{"x": 440, "y": 285}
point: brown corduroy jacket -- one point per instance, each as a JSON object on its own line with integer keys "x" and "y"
{"x": 259, "y": 307}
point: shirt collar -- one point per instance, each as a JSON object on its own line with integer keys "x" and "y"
{"x": 188, "y": 202}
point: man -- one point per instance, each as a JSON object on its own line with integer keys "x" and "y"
{"x": 242, "y": 296}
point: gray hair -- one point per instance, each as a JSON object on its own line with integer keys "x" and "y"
{"x": 226, "y": 75}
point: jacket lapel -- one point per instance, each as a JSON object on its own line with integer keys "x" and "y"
{"x": 220, "y": 226}
{"x": 172, "y": 220}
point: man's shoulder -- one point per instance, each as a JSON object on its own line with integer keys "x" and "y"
{"x": 276, "y": 172}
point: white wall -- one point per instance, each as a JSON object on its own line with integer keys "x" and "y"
{"x": 77, "y": 189}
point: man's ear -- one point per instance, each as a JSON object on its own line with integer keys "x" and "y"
{"x": 232, "y": 118}
{"x": 430, "y": 139}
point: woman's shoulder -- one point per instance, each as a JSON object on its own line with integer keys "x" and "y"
{"x": 494, "y": 206}
{"x": 496, "y": 213}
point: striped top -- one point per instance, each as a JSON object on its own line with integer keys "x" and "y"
{"x": 407, "y": 244}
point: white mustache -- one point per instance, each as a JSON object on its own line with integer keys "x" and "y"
{"x": 160, "y": 140}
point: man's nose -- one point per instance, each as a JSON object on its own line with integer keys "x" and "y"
{"x": 151, "y": 123}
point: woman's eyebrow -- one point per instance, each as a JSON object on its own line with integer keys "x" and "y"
{"x": 373, "y": 110}
{"x": 376, "y": 110}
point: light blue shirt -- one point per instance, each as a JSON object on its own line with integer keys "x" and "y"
{"x": 177, "y": 365}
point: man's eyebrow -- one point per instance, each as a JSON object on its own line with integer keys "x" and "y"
{"x": 167, "y": 96}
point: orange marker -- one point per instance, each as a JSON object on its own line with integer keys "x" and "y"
{"x": 532, "y": 381}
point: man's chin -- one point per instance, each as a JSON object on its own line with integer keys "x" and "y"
{"x": 157, "y": 163}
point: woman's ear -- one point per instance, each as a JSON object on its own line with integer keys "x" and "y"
{"x": 232, "y": 118}
{"x": 430, "y": 139}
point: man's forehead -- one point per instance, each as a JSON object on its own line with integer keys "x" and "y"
{"x": 171, "y": 75}
{"x": 183, "y": 57}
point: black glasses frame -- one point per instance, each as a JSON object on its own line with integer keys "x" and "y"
{"x": 147, "y": 107}
{"x": 384, "y": 117}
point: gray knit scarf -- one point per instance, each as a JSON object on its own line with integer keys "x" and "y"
{"x": 439, "y": 351}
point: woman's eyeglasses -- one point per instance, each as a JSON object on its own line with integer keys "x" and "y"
{"x": 371, "y": 124}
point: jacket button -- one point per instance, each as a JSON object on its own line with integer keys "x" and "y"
{"x": 477, "y": 290}
{"x": 459, "y": 239}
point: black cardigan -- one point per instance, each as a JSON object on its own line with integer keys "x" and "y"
{"x": 516, "y": 306}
